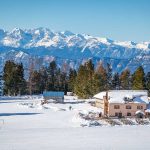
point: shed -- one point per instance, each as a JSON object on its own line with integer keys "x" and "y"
{"x": 58, "y": 96}
{"x": 69, "y": 93}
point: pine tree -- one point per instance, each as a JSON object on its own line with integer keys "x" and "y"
{"x": 101, "y": 71}
{"x": 9, "y": 69}
{"x": 148, "y": 83}
{"x": 116, "y": 81}
{"x": 51, "y": 81}
{"x": 90, "y": 77}
{"x": 44, "y": 78}
{"x": 36, "y": 80}
{"x": 64, "y": 77}
{"x": 14, "y": 82}
{"x": 58, "y": 83}
{"x": 63, "y": 82}
{"x": 21, "y": 83}
{"x": 72, "y": 78}
{"x": 81, "y": 81}
{"x": 97, "y": 84}
{"x": 138, "y": 79}
{"x": 1, "y": 84}
{"x": 85, "y": 81}
{"x": 109, "y": 77}
{"x": 125, "y": 79}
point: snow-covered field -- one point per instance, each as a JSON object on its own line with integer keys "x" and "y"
{"x": 26, "y": 125}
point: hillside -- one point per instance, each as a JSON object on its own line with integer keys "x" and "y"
{"x": 24, "y": 124}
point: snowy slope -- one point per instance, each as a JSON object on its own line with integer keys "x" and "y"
{"x": 36, "y": 128}
{"x": 68, "y": 46}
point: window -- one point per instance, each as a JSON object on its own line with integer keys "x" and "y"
{"x": 139, "y": 107}
{"x": 116, "y": 114}
{"x": 116, "y": 107}
{"x": 128, "y": 114}
{"x": 119, "y": 115}
{"x": 128, "y": 107}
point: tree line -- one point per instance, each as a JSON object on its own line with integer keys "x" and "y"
{"x": 84, "y": 82}
{"x": 91, "y": 80}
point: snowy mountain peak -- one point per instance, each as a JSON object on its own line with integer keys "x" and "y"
{"x": 67, "y": 33}
{"x": 72, "y": 48}
{"x": 29, "y": 38}
{"x": 105, "y": 40}
{"x": 143, "y": 45}
{"x": 17, "y": 30}
{"x": 128, "y": 44}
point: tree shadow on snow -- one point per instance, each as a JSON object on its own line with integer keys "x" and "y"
{"x": 10, "y": 101}
{"x": 5, "y": 102}
{"x": 17, "y": 114}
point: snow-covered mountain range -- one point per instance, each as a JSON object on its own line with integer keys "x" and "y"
{"x": 73, "y": 49}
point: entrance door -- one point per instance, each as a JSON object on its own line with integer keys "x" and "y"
{"x": 120, "y": 115}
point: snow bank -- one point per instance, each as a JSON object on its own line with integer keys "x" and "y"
{"x": 80, "y": 122}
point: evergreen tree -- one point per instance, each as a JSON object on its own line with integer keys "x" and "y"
{"x": 9, "y": 71}
{"x": 87, "y": 82}
{"x": 58, "y": 83}
{"x": 116, "y": 82}
{"x": 90, "y": 77}
{"x": 81, "y": 81}
{"x": 63, "y": 82}
{"x": 101, "y": 71}
{"x": 72, "y": 78}
{"x": 51, "y": 80}
{"x": 37, "y": 82}
{"x": 20, "y": 81}
{"x": 138, "y": 79}
{"x": 148, "y": 83}
{"x": 97, "y": 84}
{"x": 64, "y": 77}
{"x": 1, "y": 84}
{"x": 44, "y": 78}
{"x": 14, "y": 82}
{"x": 125, "y": 79}
{"x": 109, "y": 77}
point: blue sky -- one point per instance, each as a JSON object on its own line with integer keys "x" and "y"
{"x": 114, "y": 19}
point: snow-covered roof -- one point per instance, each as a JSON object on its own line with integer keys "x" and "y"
{"x": 53, "y": 94}
{"x": 118, "y": 96}
{"x": 100, "y": 95}
{"x": 148, "y": 108}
